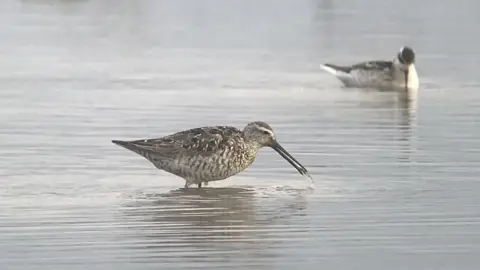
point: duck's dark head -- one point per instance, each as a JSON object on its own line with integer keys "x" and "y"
{"x": 406, "y": 56}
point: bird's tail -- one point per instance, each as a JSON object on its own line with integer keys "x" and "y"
{"x": 334, "y": 69}
{"x": 121, "y": 143}
{"x": 130, "y": 146}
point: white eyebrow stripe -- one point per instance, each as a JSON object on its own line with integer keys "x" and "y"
{"x": 269, "y": 131}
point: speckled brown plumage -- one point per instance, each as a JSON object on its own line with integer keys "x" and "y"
{"x": 207, "y": 153}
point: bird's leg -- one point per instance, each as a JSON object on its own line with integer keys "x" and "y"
{"x": 188, "y": 183}
{"x": 202, "y": 190}
{"x": 204, "y": 183}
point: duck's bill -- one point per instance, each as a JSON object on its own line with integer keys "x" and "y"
{"x": 277, "y": 147}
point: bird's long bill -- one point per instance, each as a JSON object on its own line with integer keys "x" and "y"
{"x": 277, "y": 147}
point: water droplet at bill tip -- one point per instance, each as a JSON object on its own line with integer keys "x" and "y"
{"x": 309, "y": 177}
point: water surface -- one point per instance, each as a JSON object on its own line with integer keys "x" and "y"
{"x": 396, "y": 181}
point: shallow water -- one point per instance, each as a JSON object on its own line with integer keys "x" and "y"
{"x": 396, "y": 182}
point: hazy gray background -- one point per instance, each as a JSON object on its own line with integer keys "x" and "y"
{"x": 397, "y": 182}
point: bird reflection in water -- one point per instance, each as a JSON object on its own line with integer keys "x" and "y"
{"x": 216, "y": 221}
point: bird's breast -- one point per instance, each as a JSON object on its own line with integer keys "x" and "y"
{"x": 413, "y": 81}
{"x": 222, "y": 163}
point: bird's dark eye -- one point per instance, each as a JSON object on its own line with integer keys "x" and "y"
{"x": 266, "y": 132}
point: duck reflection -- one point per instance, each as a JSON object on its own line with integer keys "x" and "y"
{"x": 398, "y": 112}
{"x": 213, "y": 220}
{"x": 391, "y": 118}
{"x": 406, "y": 123}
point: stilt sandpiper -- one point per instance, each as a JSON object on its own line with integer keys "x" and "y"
{"x": 205, "y": 154}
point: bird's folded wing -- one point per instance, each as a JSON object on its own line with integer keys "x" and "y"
{"x": 375, "y": 65}
{"x": 193, "y": 141}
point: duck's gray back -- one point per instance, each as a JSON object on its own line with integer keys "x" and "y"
{"x": 374, "y": 73}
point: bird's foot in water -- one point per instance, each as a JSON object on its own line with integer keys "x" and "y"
{"x": 204, "y": 183}
{"x": 188, "y": 183}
